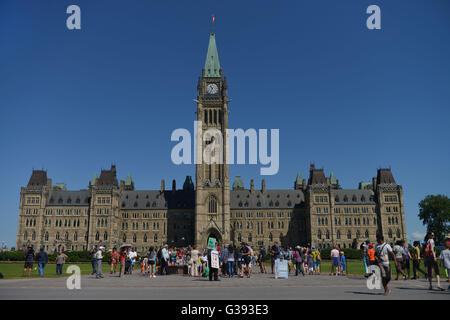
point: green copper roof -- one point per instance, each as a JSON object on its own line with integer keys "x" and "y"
{"x": 299, "y": 179}
{"x": 212, "y": 64}
{"x": 61, "y": 186}
{"x": 363, "y": 185}
{"x": 128, "y": 180}
{"x": 238, "y": 184}
{"x": 94, "y": 180}
{"x": 188, "y": 184}
{"x": 333, "y": 179}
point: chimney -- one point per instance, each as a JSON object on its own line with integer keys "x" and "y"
{"x": 174, "y": 185}
{"x": 162, "y": 186}
{"x": 252, "y": 186}
{"x": 263, "y": 185}
{"x": 374, "y": 183}
{"x": 304, "y": 184}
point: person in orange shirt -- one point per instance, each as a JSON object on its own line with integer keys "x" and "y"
{"x": 371, "y": 254}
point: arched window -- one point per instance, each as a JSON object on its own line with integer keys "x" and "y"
{"x": 25, "y": 236}
{"x": 155, "y": 238}
{"x": 212, "y": 204}
{"x": 398, "y": 233}
{"x": 97, "y": 236}
{"x": 389, "y": 220}
{"x": 33, "y": 236}
{"x": 105, "y": 236}
{"x": 46, "y": 236}
{"x": 338, "y": 234}
{"x": 390, "y": 233}
{"x": 239, "y": 237}
{"x": 270, "y": 237}
{"x": 319, "y": 234}
{"x": 124, "y": 238}
{"x": 145, "y": 237}
{"x": 134, "y": 238}
{"x": 366, "y": 234}
{"x": 57, "y": 236}
{"x": 249, "y": 237}
{"x": 349, "y": 234}
{"x": 327, "y": 234}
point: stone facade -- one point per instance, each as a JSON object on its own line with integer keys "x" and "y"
{"x": 317, "y": 212}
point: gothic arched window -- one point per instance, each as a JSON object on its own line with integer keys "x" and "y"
{"x": 212, "y": 204}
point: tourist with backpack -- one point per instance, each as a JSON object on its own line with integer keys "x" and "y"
{"x": 382, "y": 252}
{"x": 431, "y": 260}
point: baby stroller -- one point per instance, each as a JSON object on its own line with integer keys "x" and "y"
{"x": 127, "y": 266}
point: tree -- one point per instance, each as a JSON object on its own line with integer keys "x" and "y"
{"x": 435, "y": 214}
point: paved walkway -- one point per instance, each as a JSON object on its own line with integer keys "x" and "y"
{"x": 260, "y": 286}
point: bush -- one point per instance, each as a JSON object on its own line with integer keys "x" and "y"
{"x": 349, "y": 253}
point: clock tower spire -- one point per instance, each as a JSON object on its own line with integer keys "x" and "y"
{"x": 212, "y": 196}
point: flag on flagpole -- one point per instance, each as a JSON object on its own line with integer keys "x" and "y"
{"x": 213, "y": 18}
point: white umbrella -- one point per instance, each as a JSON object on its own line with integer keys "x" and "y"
{"x": 125, "y": 245}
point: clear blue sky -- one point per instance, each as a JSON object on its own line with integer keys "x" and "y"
{"x": 348, "y": 99}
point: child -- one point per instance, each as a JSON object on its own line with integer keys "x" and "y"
{"x": 142, "y": 263}
{"x": 343, "y": 263}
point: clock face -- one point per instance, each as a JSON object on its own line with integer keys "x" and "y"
{"x": 212, "y": 88}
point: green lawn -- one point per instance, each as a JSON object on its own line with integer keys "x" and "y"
{"x": 14, "y": 270}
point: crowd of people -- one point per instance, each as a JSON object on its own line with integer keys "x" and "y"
{"x": 240, "y": 261}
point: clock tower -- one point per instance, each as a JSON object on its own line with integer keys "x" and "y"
{"x": 212, "y": 195}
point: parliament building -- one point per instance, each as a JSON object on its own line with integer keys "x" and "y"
{"x": 315, "y": 212}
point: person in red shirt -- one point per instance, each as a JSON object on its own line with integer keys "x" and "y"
{"x": 114, "y": 260}
{"x": 123, "y": 254}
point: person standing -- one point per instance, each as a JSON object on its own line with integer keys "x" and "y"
{"x": 445, "y": 259}
{"x": 365, "y": 247}
{"x": 407, "y": 259}
{"x": 132, "y": 256}
{"x": 334, "y": 261}
{"x": 99, "y": 257}
{"x": 262, "y": 259}
{"x": 60, "y": 261}
{"x": 416, "y": 260}
{"x": 114, "y": 260}
{"x": 29, "y": 259}
{"x": 245, "y": 253}
{"x": 399, "y": 259}
{"x": 94, "y": 261}
{"x": 122, "y": 258}
{"x": 194, "y": 256}
{"x": 213, "y": 272}
{"x": 382, "y": 252}
{"x": 165, "y": 259}
{"x": 343, "y": 261}
{"x": 230, "y": 261}
{"x": 431, "y": 261}
{"x": 371, "y": 255}
{"x": 223, "y": 260}
{"x": 298, "y": 261}
{"x": 317, "y": 258}
{"x": 275, "y": 253}
{"x": 42, "y": 260}
{"x": 152, "y": 262}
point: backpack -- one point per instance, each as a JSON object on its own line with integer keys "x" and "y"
{"x": 427, "y": 251}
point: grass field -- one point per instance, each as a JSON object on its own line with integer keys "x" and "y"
{"x": 14, "y": 270}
